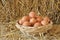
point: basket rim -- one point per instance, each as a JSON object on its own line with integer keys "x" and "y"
{"x": 32, "y": 26}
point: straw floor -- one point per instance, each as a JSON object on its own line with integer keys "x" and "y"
{"x": 10, "y": 32}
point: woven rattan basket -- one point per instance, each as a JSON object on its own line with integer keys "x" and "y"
{"x": 33, "y": 30}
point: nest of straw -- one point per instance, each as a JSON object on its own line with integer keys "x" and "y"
{"x": 26, "y": 30}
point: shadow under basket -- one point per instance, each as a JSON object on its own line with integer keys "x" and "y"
{"x": 26, "y": 30}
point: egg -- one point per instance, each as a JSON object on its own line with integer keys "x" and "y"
{"x": 25, "y": 18}
{"x": 33, "y": 20}
{"x": 26, "y": 23}
{"x": 46, "y": 19}
{"x": 39, "y": 18}
{"x": 44, "y": 22}
{"x": 32, "y": 14}
{"x": 20, "y": 22}
{"x": 37, "y": 24}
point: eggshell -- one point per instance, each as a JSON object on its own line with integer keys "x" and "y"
{"x": 33, "y": 20}
{"x": 26, "y": 23}
{"x": 32, "y": 14}
{"x": 39, "y": 18}
{"x": 44, "y": 22}
{"x": 25, "y": 18}
{"x": 46, "y": 19}
{"x": 37, "y": 24}
{"x": 20, "y": 22}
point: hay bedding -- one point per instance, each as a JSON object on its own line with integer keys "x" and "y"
{"x": 15, "y": 34}
{"x": 15, "y": 9}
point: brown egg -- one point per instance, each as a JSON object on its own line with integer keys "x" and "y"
{"x": 39, "y": 18}
{"x": 20, "y": 22}
{"x": 33, "y": 21}
{"x": 25, "y": 18}
{"x": 37, "y": 24}
{"x": 46, "y": 19}
{"x": 26, "y": 23}
{"x": 32, "y": 14}
{"x": 44, "y": 22}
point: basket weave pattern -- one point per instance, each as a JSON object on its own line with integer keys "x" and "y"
{"x": 33, "y": 30}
